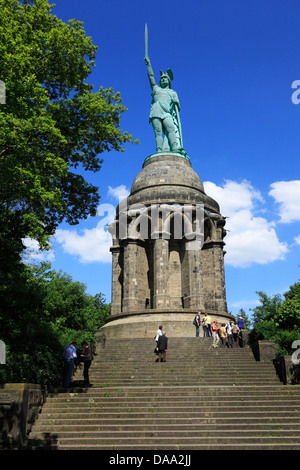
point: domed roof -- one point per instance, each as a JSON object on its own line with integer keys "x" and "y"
{"x": 171, "y": 170}
{"x": 169, "y": 178}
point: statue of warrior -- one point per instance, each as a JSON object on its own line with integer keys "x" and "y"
{"x": 164, "y": 113}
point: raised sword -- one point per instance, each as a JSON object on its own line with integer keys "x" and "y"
{"x": 146, "y": 42}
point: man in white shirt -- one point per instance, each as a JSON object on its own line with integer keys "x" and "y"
{"x": 69, "y": 356}
{"x": 228, "y": 328}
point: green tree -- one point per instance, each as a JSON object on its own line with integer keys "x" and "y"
{"x": 72, "y": 313}
{"x": 44, "y": 311}
{"x": 288, "y": 314}
{"x": 277, "y": 319}
{"x": 53, "y": 128}
{"x": 263, "y": 316}
{"x": 33, "y": 349}
{"x": 52, "y": 125}
{"x": 267, "y": 308}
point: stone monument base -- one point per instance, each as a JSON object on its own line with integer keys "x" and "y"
{"x": 144, "y": 324}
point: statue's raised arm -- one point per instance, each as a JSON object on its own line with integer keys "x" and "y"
{"x": 150, "y": 72}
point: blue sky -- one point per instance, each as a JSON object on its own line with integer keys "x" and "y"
{"x": 234, "y": 64}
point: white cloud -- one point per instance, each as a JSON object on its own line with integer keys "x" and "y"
{"x": 297, "y": 239}
{"x": 93, "y": 245}
{"x": 90, "y": 245}
{"x": 120, "y": 192}
{"x": 250, "y": 239}
{"x": 233, "y": 196}
{"x": 287, "y": 195}
{"x": 33, "y": 252}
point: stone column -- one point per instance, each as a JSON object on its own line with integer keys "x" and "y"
{"x": 214, "y": 276}
{"x": 130, "y": 278}
{"x": 220, "y": 278}
{"x": 193, "y": 279}
{"x": 161, "y": 297}
{"x": 117, "y": 279}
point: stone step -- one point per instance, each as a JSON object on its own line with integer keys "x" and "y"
{"x": 142, "y": 404}
{"x": 213, "y": 383}
{"x": 177, "y": 352}
{"x": 117, "y": 407}
{"x": 171, "y": 366}
{"x": 144, "y": 396}
{"x": 161, "y": 370}
{"x": 160, "y": 440}
{"x": 209, "y": 381}
{"x": 253, "y": 445}
{"x": 188, "y": 447}
{"x": 187, "y": 394}
{"x": 185, "y": 390}
{"x": 178, "y": 341}
{"x": 175, "y": 349}
{"x": 63, "y": 426}
{"x": 204, "y": 435}
{"x": 197, "y": 356}
{"x": 183, "y": 359}
{"x": 170, "y": 375}
{"x": 195, "y": 389}
{"x": 132, "y": 422}
{"x": 259, "y": 413}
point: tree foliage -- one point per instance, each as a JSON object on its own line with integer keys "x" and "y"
{"x": 53, "y": 128}
{"x": 278, "y": 319}
{"x": 52, "y": 124}
{"x": 45, "y": 311}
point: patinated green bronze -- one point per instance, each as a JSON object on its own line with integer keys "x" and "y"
{"x": 164, "y": 113}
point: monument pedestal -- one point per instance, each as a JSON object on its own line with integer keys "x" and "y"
{"x": 176, "y": 323}
{"x": 168, "y": 257}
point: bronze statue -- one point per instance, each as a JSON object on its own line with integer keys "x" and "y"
{"x": 165, "y": 107}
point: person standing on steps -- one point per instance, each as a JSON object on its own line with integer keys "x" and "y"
{"x": 70, "y": 355}
{"x": 162, "y": 347}
{"x": 240, "y": 323}
{"x": 241, "y": 326}
{"x": 204, "y": 326}
{"x": 156, "y": 337}
{"x": 223, "y": 335}
{"x": 229, "y": 334}
{"x": 86, "y": 357}
{"x": 214, "y": 328}
{"x": 208, "y": 323}
{"x": 196, "y": 322}
{"x": 158, "y": 333}
{"x": 235, "y": 333}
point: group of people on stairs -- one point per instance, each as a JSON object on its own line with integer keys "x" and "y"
{"x": 72, "y": 358}
{"x": 229, "y": 334}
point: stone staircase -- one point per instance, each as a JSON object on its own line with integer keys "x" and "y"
{"x": 201, "y": 398}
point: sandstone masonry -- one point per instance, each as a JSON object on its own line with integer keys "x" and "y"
{"x": 167, "y": 252}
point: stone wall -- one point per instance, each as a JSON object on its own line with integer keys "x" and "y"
{"x": 177, "y": 323}
{"x": 19, "y": 406}
{"x": 287, "y": 371}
